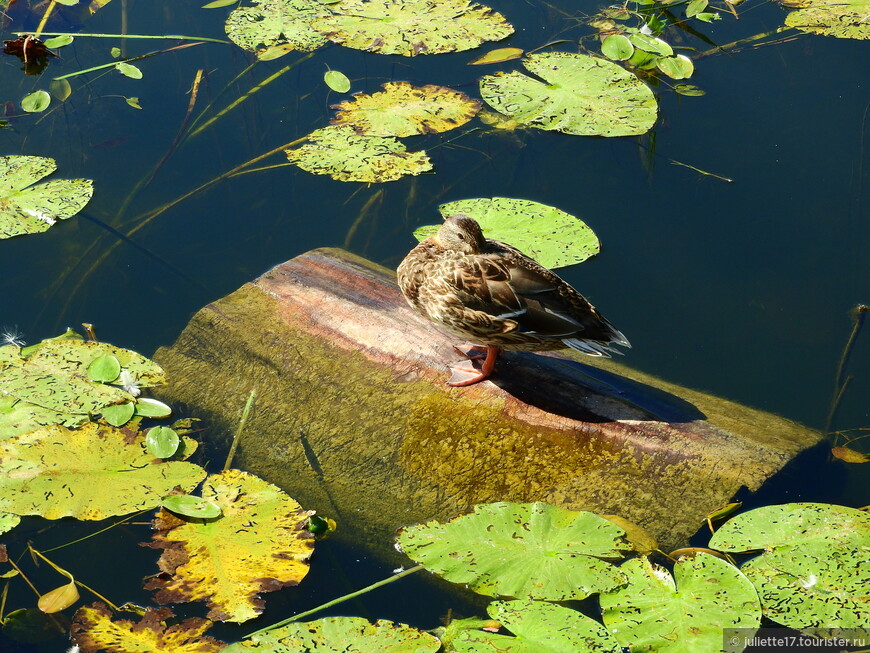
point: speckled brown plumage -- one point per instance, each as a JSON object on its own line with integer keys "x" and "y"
{"x": 494, "y": 295}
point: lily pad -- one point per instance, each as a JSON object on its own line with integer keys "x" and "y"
{"x": 844, "y": 19}
{"x": 93, "y": 472}
{"x": 549, "y": 235}
{"x": 412, "y": 27}
{"x": 29, "y": 209}
{"x": 538, "y": 627}
{"x": 341, "y": 153}
{"x": 93, "y": 629}
{"x": 8, "y": 521}
{"x": 579, "y": 95}
{"x": 521, "y": 550}
{"x": 617, "y": 47}
{"x": 163, "y": 442}
{"x": 337, "y": 81}
{"x": 188, "y": 505}
{"x": 119, "y": 414}
{"x": 258, "y": 545}
{"x": 275, "y": 27}
{"x": 677, "y": 67}
{"x": 341, "y": 635}
{"x": 657, "y": 612}
{"x": 405, "y": 110}
{"x": 18, "y": 416}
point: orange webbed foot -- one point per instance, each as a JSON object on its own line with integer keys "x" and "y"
{"x": 465, "y": 373}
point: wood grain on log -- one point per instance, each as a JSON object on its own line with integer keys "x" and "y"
{"x": 353, "y": 417}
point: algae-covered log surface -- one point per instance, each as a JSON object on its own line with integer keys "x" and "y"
{"x": 353, "y": 418}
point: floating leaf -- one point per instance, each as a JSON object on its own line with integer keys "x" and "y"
{"x": 641, "y": 540}
{"x": 219, "y": 3}
{"x": 18, "y": 416}
{"x": 94, "y": 630}
{"x": 538, "y": 627}
{"x": 689, "y": 90}
{"x": 404, "y": 110}
{"x": 521, "y": 550}
{"x": 259, "y": 545}
{"x": 36, "y": 102}
{"x": 549, "y": 235}
{"x": 29, "y": 209}
{"x": 273, "y": 28}
{"x": 190, "y": 506}
{"x": 60, "y": 89}
{"x": 412, "y": 27}
{"x": 128, "y": 70}
{"x": 60, "y": 598}
{"x": 115, "y": 52}
{"x": 337, "y": 81}
{"x": 341, "y": 635}
{"x": 133, "y": 102}
{"x": 8, "y": 521}
{"x": 849, "y": 455}
{"x": 617, "y": 47}
{"x": 497, "y": 56}
{"x": 119, "y": 414}
{"x": 651, "y": 44}
{"x": 105, "y": 369}
{"x": 695, "y": 7}
{"x": 845, "y": 19}
{"x": 579, "y": 95}
{"x": 162, "y": 441}
{"x": 678, "y": 67}
{"x": 147, "y": 407}
{"x": 341, "y": 153}
{"x": 92, "y": 472}
{"x": 58, "y": 41}
{"x": 655, "y": 612}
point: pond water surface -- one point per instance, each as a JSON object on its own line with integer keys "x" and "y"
{"x": 742, "y": 289}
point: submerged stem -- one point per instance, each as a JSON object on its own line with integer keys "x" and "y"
{"x": 241, "y": 427}
{"x": 859, "y": 313}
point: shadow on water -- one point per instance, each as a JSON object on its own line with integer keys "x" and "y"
{"x": 581, "y": 392}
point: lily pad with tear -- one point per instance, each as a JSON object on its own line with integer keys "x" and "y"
{"x": 344, "y": 155}
{"x": 521, "y": 550}
{"x": 844, "y": 19}
{"x": 405, "y": 110}
{"x": 412, "y": 27}
{"x": 549, "y": 235}
{"x": 576, "y": 94}
{"x": 272, "y": 28}
{"x": 92, "y": 472}
{"x": 26, "y": 208}
{"x": 658, "y": 612}
{"x": 258, "y": 545}
{"x": 341, "y": 635}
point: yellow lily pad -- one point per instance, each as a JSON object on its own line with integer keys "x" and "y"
{"x": 412, "y": 27}
{"x": 259, "y": 545}
{"x": 405, "y": 110}
{"x": 276, "y": 27}
{"x": 94, "y": 630}
{"x": 93, "y": 472}
{"x": 344, "y": 155}
{"x": 845, "y": 19}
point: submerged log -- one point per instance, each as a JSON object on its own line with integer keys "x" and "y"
{"x": 353, "y": 418}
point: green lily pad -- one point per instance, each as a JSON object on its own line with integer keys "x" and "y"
{"x": 258, "y": 545}
{"x": 657, "y": 612}
{"x": 272, "y": 28}
{"x": 340, "y": 635}
{"x": 405, "y": 110}
{"x": 8, "y": 521}
{"x": 163, "y": 442}
{"x": 549, "y": 235}
{"x": 844, "y": 19}
{"x": 341, "y": 153}
{"x": 29, "y": 209}
{"x": 147, "y": 407}
{"x": 104, "y": 369}
{"x": 617, "y": 47}
{"x": 538, "y": 627}
{"x": 677, "y": 67}
{"x": 651, "y": 44}
{"x": 36, "y": 102}
{"x": 337, "y": 81}
{"x": 521, "y": 550}
{"x": 579, "y": 95}
{"x": 191, "y": 506}
{"x": 18, "y": 416}
{"x": 119, "y": 414}
{"x": 92, "y": 472}
{"x": 412, "y": 27}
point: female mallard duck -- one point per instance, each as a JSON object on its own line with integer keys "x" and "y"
{"x": 494, "y": 295}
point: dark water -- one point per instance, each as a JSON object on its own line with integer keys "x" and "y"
{"x": 742, "y": 289}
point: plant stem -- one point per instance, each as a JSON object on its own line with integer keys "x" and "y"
{"x": 137, "y": 36}
{"x": 241, "y": 427}
{"x": 841, "y": 380}
{"x": 340, "y": 599}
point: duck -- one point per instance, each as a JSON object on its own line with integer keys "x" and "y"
{"x": 494, "y": 296}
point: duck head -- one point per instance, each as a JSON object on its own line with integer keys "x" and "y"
{"x": 461, "y": 233}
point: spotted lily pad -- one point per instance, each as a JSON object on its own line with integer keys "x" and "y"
{"x": 93, "y": 472}
{"x": 547, "y": 234}
{"x": 538, "y": 627}
{"x": 260, "y": 544}
{"x": 411, "y": 27}
{"x": 274, "y": 27}
{"x": 404, "y": 110}
{"x": 341, "y": 153}
{"x": 521, "y": 550}
{"x": 657, "y": 612}
{"x": 94, "y": 629}
{"x": 341, "y": 635}
{"x": 813, "y": 571}
{"x": 17, "y": 416}
{"x": 29, "y": 209}
{"x": 845, "y": 19}
{"x": 576, "y": 94}
{"x": 8, "y": 521}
